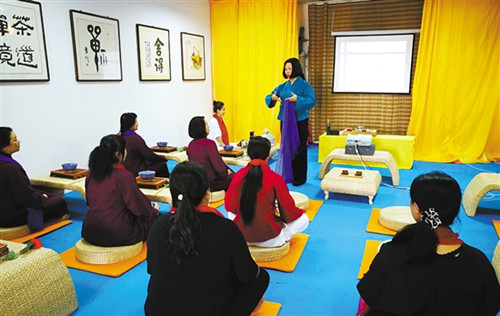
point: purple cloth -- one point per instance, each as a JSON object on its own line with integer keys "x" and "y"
{"x": 289, "y": 142}
{"x": 129, "y": 132}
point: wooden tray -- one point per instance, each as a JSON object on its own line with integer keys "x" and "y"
{"x": 78, "y": 173}
{"x": 166, "y": 149}
{"x": 156, "y": 183}
{"x": 232, "y": 153}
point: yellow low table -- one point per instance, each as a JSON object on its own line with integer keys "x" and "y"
{"x": 401, "y": 147}
{"x": 366, "y": 185}
{"x": 379, "y": 156}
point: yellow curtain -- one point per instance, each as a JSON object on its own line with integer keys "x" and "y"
{"x": 250, "y": 41}
{"x": 456, "y": 91}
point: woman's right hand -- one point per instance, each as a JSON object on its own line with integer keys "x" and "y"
{"x": 275, "y": 97}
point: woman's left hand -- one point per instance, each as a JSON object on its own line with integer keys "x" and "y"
{"x": 293, "y": 98}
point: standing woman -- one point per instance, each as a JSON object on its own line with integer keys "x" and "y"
{"x": 204, "y": 152}
{"x": 118, "y": 212}
{"x": 297, "y": 97}
{"x": 198, "y": 261}
{"x": 218, "y": 131}
{"x": 426, "y": 269}
{"x": 17, "y": 196}
{"x": 139, "y": 156}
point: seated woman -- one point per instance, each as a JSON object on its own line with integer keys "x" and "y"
{"x": 204, "y": 152}
{"x": 426, "y": 269}
{"x": 251, "y": 201}
{"x": 198, "y": 260}
{"x": 139, "y": 156}
{"x": 118, "y": 214}
{"x": 17, "y": 196}
{"x": 218, "y": 130}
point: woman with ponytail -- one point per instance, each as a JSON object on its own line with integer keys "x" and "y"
{"x": 259, "y": 202}
{"x": 426, "y": 269}
{"x": 198, "y": 260}
{"x": 218, "y": 131}
{"x": 118, "y": 212}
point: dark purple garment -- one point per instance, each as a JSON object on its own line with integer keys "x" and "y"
{"x": 140, "y": 157}
{"x": 289, "y": 142}
{"x": 204, "y": 152}
{"x": 118, "y": 212}
{"x": 17, "y": 195}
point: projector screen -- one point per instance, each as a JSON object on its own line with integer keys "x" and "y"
{"x": 373, "y": 64}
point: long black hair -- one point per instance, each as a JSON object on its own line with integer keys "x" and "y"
{"x": 127, "y": 120}
{"x": 435, "y": 191}
{"x": 296, "y": 68}
{"x": 188, "y": 186}
{"x": 103, "y": 157}
{"x": 258, "y": 148}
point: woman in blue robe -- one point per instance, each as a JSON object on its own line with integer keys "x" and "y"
{"x": 297, "y": 97}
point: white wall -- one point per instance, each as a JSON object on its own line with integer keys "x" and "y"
{"x": 63, "y": 120}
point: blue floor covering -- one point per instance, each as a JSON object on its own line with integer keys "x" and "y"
{"x": 324, "y": 281}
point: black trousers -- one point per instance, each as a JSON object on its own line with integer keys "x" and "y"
{"x": 299, "y": 161}
{"x": 247, "y": 296}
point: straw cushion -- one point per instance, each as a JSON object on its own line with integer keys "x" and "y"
{"x": 267, "y": 254}
{"x": 496, "y": 260}
{"x": 301, "y": 200}
{"x": 481, "y": 184}
{"x": 217, "y": 196}
{"x": 92, "y": 254}
{"x": 9, "y": 233}
{"x": 36, "y": 283}
{"x": 396, "y": 217}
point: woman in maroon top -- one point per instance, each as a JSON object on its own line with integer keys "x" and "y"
{"x": 139, "y": 156}
{"x": 259, "y": 202}
{"x": 17, "y": 196}
{"x": 118, "y": 212}
{"x": 204, "y": 152}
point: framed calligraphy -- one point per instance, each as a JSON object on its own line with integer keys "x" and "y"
{"x": 96, "y": 47}
{"x": 23, "y": 54}
{"x": 153, "y": 45}
{"x": 193, "y": 56}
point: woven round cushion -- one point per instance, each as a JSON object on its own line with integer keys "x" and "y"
{"x": 89, "y": 253}
{"x": 8, "y": 233}
{"x": 396, "y": 217}
{"x": 266, "y": 254}
{"x": 217, "y": 196}
{"x": 301, "y": 200}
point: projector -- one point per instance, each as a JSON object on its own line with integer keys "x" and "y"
{"x": 359, "y": 144}
{"x": 360, "y": 140}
